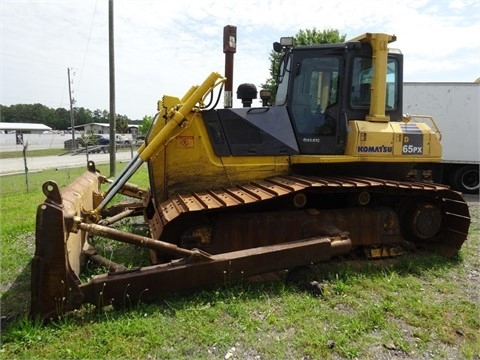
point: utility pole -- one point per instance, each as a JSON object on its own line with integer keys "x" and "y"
{"x": 113, "y": 124}
{"x": 72, "y": 120}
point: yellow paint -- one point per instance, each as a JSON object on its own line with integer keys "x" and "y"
{"x": 188, "y": 163}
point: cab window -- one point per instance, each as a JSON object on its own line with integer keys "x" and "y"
{"x": 362, "y": 80}
{"x": 316, "y": 88}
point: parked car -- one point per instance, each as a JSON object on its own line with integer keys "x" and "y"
{"x": 104, "y": 139}
{"x": 122, "y": 140}
{"x": 93, "y": 139}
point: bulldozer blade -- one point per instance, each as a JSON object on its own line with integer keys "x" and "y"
{"x": 154, "y": 282}
{"x": 58, "y": 246}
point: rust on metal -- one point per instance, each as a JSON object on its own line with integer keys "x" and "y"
{"x": 454, "y": 211}
{"x": 133, "y": 239}
{"x": 156, "y": 281}
{"x": 102, "y": 261}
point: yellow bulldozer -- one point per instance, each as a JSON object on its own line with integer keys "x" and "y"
{"x": 319, "y": 175}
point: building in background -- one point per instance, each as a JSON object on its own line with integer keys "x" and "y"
{"x": 102, "y": 128}
{"x": 23, "y": 128}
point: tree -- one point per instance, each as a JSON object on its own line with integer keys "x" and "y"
{"x": 30, "y": 113}
{"x": 314, "y": 37}
{"x": 303, "y": 37}
{"x": 121, "y": 124}
{"x": 62, "y": 116}
{"x": 82, "y": 116}
{"x": 58, "y": 119}
{"x": 98, "y": 116}
{"x": 5, "y": 113}
{"x": 145, "y": 125}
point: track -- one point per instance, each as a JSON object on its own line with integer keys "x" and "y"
{"x": 374, "y": 212}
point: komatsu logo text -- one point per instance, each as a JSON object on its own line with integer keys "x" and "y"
{"x": 375, "y": 149}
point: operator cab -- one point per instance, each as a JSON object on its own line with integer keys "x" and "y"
{"x": 325, "y": 86}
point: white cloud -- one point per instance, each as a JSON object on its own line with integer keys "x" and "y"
{"x": 166, "y": 47}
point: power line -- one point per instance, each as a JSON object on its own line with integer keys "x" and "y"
{"x": 88, "y": 44}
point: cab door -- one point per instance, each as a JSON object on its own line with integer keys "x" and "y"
{"x": 315, "y": 104}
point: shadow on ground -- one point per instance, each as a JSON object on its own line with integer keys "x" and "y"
{"x": 15, "y": 301}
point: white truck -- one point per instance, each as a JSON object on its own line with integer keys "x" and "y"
{"x": 455, "y": 108}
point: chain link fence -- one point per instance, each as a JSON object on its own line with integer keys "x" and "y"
{"x": 14, "y": 142}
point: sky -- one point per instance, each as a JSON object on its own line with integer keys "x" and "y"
{"x": 165, "y": 47}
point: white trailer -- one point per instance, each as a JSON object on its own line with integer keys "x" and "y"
{"x": 455, "y": 107}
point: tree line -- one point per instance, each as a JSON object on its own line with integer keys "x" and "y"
{"x": 59, "y": 119}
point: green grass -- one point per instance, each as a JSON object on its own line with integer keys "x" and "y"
{"x": 41, "y": 152}
{"x": 412, "y": 307}
{"x": 17, "y": 219}
{"x": 31, "y": 153}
